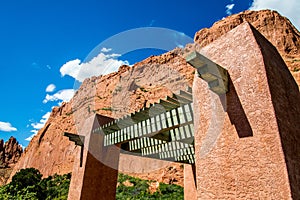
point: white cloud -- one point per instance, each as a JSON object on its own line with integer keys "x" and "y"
{"x": 50, "y": 88}
{"x": 38, "y": 125}
{"x": 31, "y": 136}
{"x": 34, "y": 131}
{"x": 99, "y": 65}
{"x": 229, "y": 8}
{"x": 63, "y": 95}
{"x": 41, "y": 123}
{"x": 105, "y": 50}
{"x": 7, "y": 127}
{"x": 71, "y": 68}
{"x": 287, "y": 8}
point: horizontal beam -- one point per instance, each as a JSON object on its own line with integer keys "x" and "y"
{"x": 155, "y": 125}
{"x": 186, "y": 158}
{"x": 215, "y": 75}
{"x": 171, "y": 151}
{"x": 170, "y": 146}
{"x": 78, "y": 139}
{"x": 177, "y": 153}
{"x": 163, "y": 105}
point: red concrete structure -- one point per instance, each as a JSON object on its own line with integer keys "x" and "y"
{"x": 94, "y": 178}
{"x": 246, "y": 129}
{"x": 247, "y": 147}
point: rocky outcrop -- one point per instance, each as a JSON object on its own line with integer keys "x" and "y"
{"x": 10, "y": 153}
{"x": 112, "y": 95}
{"x": 276, "y": 28}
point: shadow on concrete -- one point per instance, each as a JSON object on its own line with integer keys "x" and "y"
{"x": 236, "y": 112}
{"x": 286, "y": 102}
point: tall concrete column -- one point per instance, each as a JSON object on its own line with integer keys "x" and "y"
{"x": 247, "y": 142}
{"x": 97, "y": 177}
{"x": 190, "y": 190}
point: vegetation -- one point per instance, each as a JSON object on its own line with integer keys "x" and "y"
{"x": 296, "y": 69}
{"x": 139, "y": 189}
{"x": 89, "y": 109}
{"x": 29, "y": 184}
{"x": 70, "y": 113}
{"x": 107, "y": 108}
{"x": 296, "y": 60}
{"x": 143, "y": 89}
{"x": 118, "y": 89}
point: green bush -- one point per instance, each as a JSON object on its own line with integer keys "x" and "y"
{"x": 29, "y": 185}
{"x": 140, "y": 190}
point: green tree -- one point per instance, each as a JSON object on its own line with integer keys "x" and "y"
{"x": 28, "y": 184}
{"x": 26, "y": 181}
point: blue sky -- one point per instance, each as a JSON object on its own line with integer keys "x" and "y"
{"x": 42, "y": 41}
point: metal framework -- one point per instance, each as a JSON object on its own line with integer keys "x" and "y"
{"x": 163, "y": 130}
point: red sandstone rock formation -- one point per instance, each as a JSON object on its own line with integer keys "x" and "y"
{"x": 51, "y": 153}
{"x": 10, "y": 153}
{"x": 111, "y": 95}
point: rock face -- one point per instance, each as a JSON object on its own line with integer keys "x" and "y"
{"x": 10, "y": 153}
{"x": 111, "y": 95}
{"x": 276, "y": 28}
{"x": 131, "y": 88}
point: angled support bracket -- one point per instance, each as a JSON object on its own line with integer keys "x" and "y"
{"x": 79, "y": 141}
{"x": 215, "y": 75}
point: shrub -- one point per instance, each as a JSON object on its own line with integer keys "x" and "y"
{"x": 140, "y": 190}
{"x": 28, "y": 184}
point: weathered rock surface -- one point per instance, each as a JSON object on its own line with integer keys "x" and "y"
{"x": 276, "y": 28}
{"x": 111, "y": 95}
{"x": 10, "y": 153}
{"x": 131, "y": 88}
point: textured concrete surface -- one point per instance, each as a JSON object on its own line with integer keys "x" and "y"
{"x": 190, "y": 191}
{"x": 276, "y": 28}
{"x": 97, "y": 178}
{"x": 254, "y": 151}
{"x": 52, "y": 153}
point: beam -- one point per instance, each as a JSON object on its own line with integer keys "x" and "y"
{"x": 78, "y": 139}
{"x": 215, "y": 75}
{"x": 156, "y": 125}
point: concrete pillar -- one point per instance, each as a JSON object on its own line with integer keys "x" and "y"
{"x": 247, "y": 141}
{"x": 97, "y": 178}
{"x": 190, "y": 190}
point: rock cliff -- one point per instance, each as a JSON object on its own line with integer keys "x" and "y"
{"x": 131, "y": 88}
{"x": 111, "y": 95}
{"x": 10, "y": 153}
